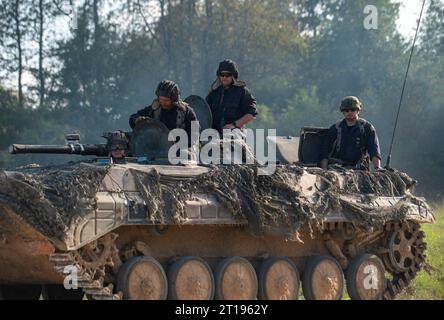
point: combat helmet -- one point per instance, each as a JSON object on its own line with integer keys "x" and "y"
{"x": 350, "y": 102}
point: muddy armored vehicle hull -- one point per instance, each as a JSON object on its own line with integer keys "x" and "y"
{"x": 140, "y": 231}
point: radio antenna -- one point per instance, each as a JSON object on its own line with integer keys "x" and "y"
{"x": 389, "y": 158}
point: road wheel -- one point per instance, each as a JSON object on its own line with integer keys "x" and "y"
{"x": 142, "y": 278}
{"x": 366, "y": 278}
{"x": 190, "y": 278}
{"x": 236, "y": 280}
{"x": 323, "y": 279}
{"x": 278, "y": 279}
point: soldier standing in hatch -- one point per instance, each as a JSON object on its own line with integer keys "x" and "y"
{"x": 168, "y": 108}
{"x": 350, "y": 141}
{"x": 117, "y": 146}
{"x": 230, "y": 101}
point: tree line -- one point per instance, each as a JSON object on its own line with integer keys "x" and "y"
{"x": 298, "y": 57}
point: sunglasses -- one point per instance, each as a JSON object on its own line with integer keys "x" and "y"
{"x": 349, "y": 110}
{"x": 225, "y": 75}
{"x": 116, "y": 148}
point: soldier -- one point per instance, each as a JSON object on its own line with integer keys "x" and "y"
{"x": 231, "y": 102}
{"x": 117, "y": 146}
{"x": 167, "y": 108}
{"x": 350, "y": 141}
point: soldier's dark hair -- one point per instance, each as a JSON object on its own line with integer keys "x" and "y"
{"x": 169, "y": 89}
{"x": 228, "y": 66}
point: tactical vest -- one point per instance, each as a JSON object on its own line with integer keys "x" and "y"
{"x": 181, "y": 108}
{"x": 362, "y": 140}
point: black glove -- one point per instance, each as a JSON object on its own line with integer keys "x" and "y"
{"x": 139, "y": 120}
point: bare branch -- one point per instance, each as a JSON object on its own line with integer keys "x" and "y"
{"x": 147, "y": 24}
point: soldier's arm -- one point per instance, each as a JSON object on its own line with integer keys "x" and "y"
{"x": 373, "y": 148}
{"x": 190, "y": 116}
{"x": 248, "y": 107}
{"x": 376, "y": 163}
{"x": 244, "y": 120}
{"x": 145, "y": 112}
{"x": 209, "y": 100}
{"x": 324, "y": 164}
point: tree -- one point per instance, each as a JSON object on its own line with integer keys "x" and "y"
{"x": 10, "y": 111}
{"x": 12, "y": 26}
{"x": 433, "y": 35}
{"x": 299, "y": 58}
{"x": 40, "y": 15}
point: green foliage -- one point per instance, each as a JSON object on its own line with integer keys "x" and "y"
{"x": 431, "y": 286}
{"x": 266, "y": 120}
{"x": 9, "y": 109}
{"x": 433, "y": 33}
{"x": 304, "y": 109}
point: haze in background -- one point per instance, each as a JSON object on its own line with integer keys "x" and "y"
{"x": 299, "y": 58}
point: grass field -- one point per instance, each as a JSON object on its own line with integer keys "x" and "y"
{"x": 425, "y": 286}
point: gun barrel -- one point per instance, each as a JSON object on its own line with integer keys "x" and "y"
{"x": 80, "y": 149}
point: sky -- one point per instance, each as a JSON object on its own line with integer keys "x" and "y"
{"x": 409, "y": 14}
{"x": 407, "y": 22}
{"x": 408, "y": 17}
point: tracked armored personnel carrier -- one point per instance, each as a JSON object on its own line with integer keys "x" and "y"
{"x": 144, "y": 229}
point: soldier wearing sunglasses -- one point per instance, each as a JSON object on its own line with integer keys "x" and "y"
{"x": 230, "y": 101}
{"x": 352, "y": 142}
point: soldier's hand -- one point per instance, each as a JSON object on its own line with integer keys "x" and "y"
{"x": 139, "y": 120}
{"x": 229, "y": 126}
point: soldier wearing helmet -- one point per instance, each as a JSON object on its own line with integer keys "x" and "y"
{"x": 351, "y": 141}
{"x": 118, "y": 145}
{"x": 168, "y": 108}
{"x": 230, "y": 101}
